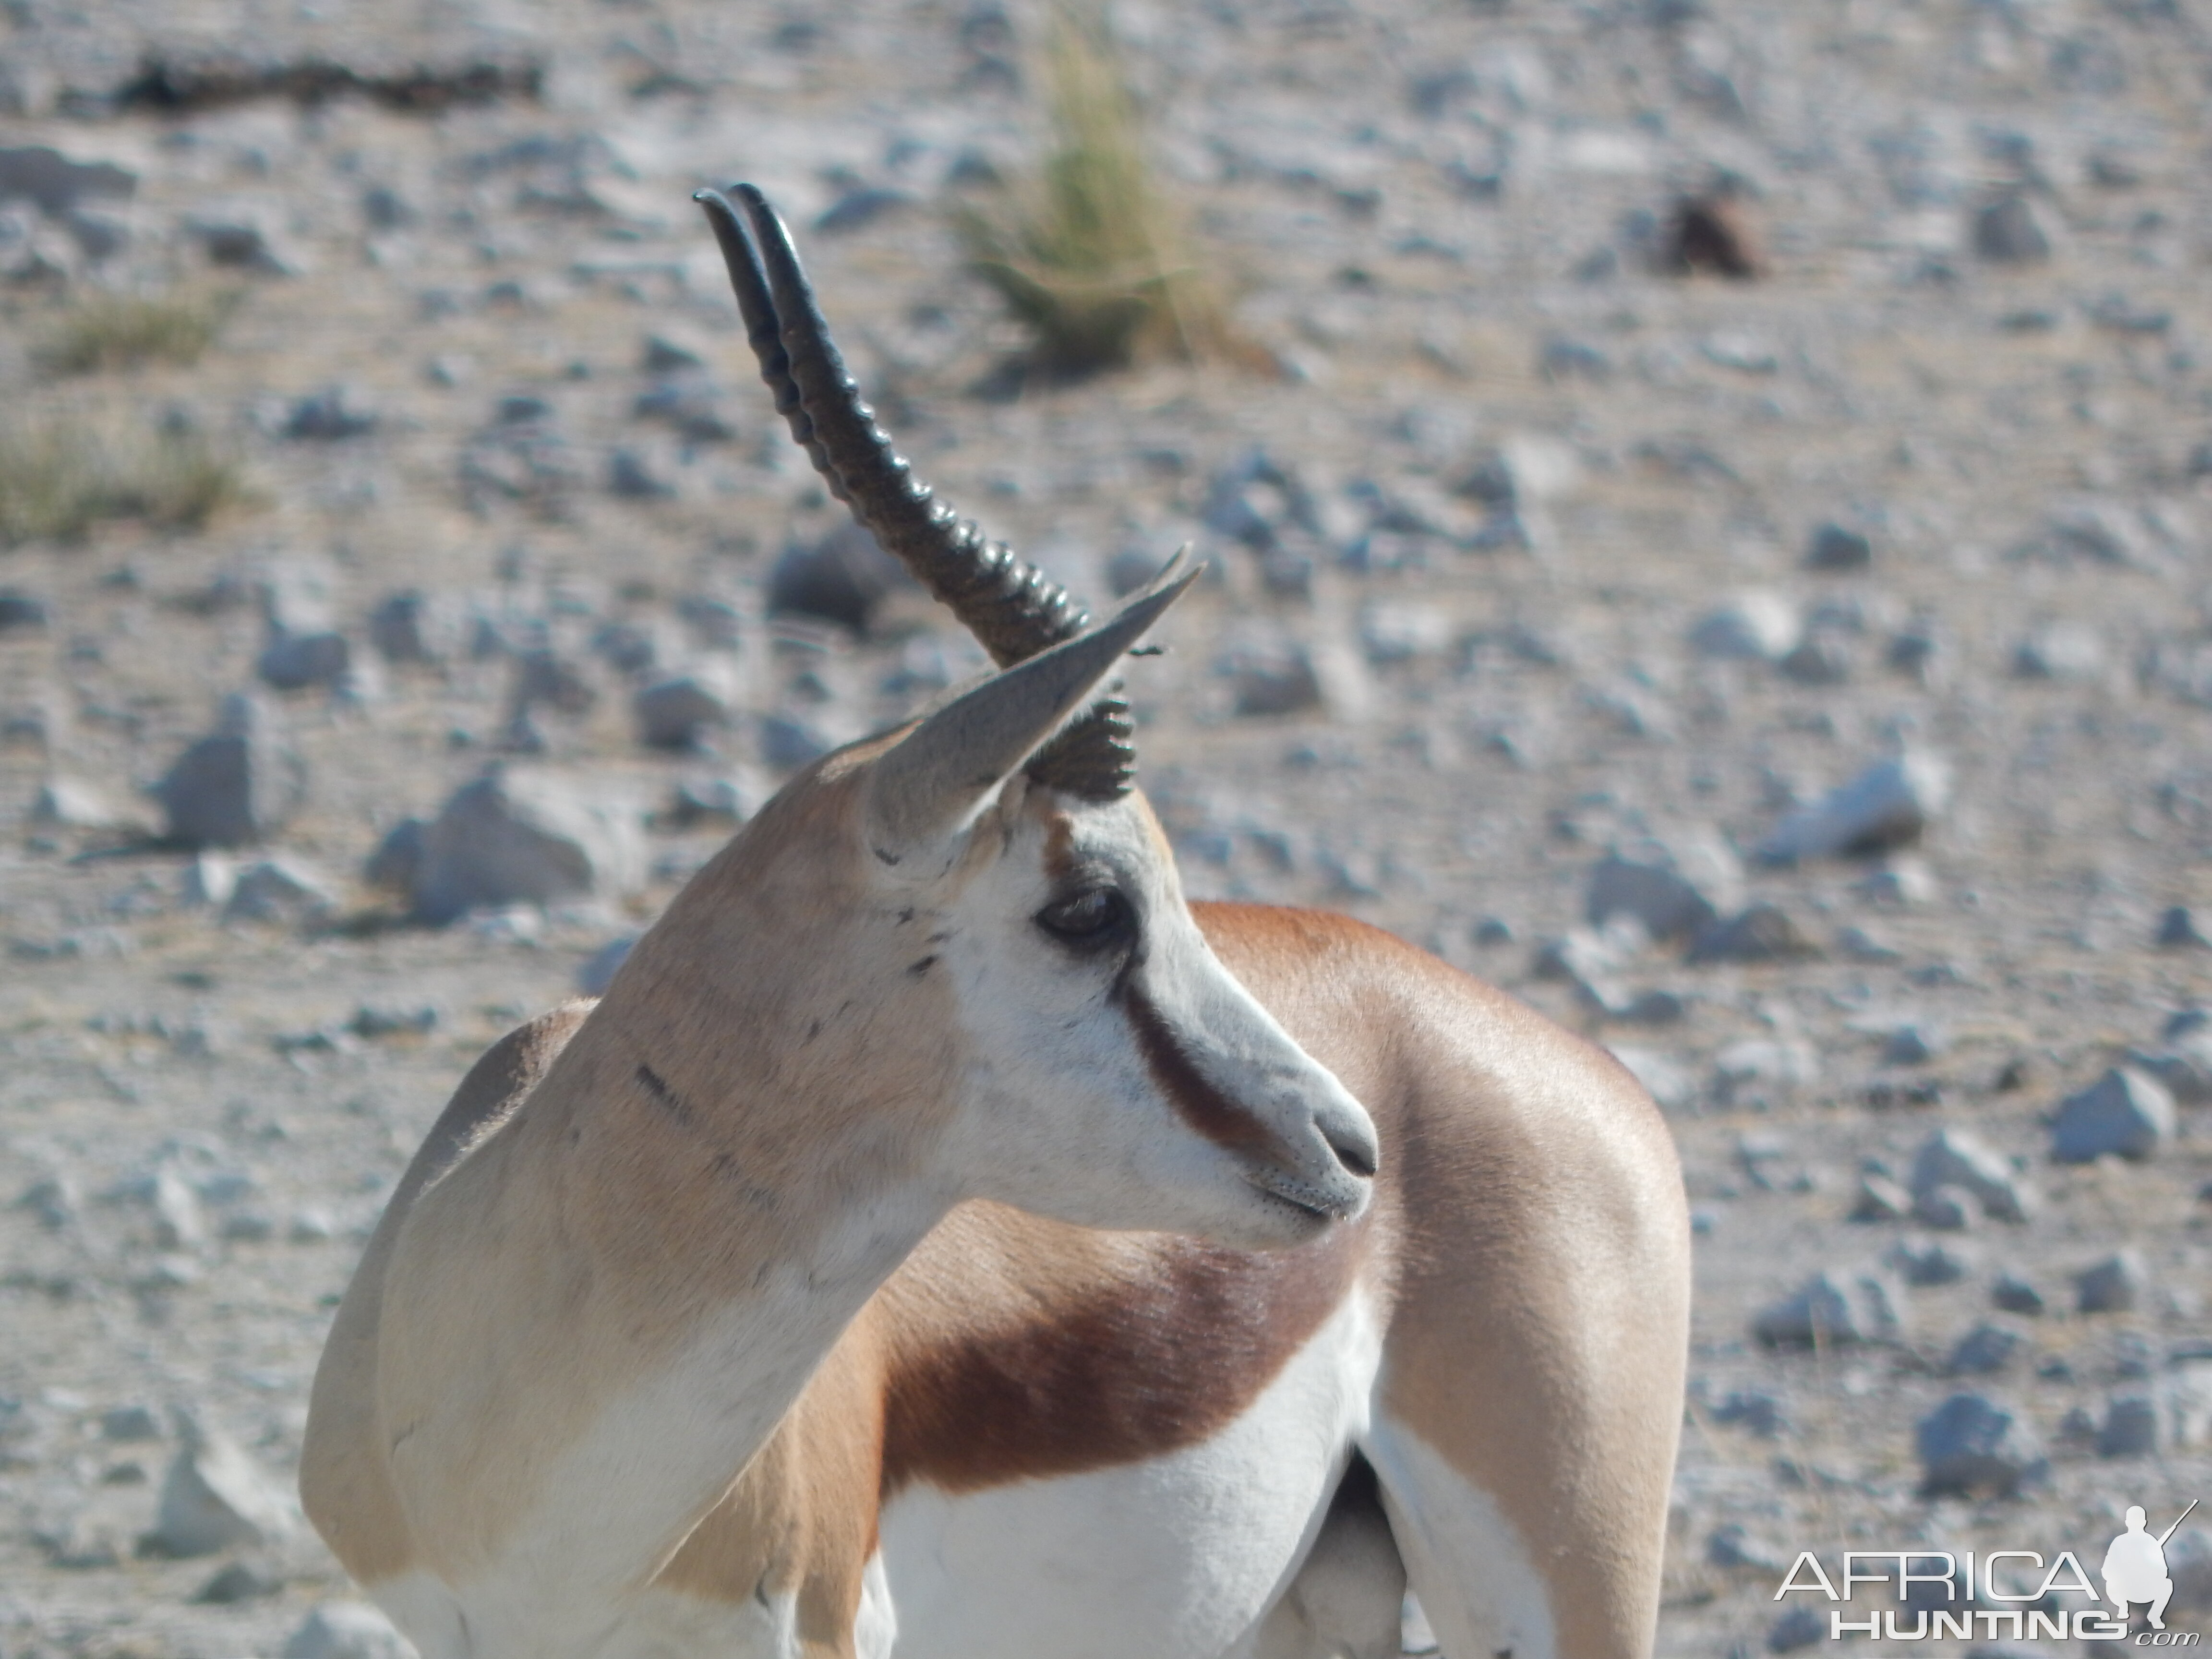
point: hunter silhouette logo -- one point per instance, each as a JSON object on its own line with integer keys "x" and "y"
{"x": 2010, "y": 1593}
{"x": 2135, "y": 1566}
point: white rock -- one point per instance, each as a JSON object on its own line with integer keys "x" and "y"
{"x": 68, "y": 803}
{"x": 215, "y": 1497}
{"x": 1887, "y": 805}
{"x": 1757, "y": 626}
{"x": 2125, "y": 1113}
{"x": 209, "y": 879}
{"x": 279, "y": 891}
{"x": 528, "y": 835}
{"x": 347, "y": 1630}
{"x": 1958, "y": 1157}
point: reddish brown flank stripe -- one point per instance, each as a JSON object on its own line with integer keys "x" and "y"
{"x": 1140, "y": 1367}
{"x": 1199, "y": 1104}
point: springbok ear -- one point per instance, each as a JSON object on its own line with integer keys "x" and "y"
{"x": 942, "y": 772}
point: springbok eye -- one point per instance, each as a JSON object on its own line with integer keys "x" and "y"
{"x": 1092, "y": 918}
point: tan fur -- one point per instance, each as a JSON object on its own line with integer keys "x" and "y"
{"x": 602, "y": 1182}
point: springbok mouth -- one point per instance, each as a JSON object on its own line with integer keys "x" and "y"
{"x": 1301, "y": 1196}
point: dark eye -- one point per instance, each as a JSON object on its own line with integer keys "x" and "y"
{"x": 1096, "y": 917}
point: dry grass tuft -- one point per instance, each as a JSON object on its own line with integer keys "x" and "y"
{"x": 115, "y": 330}
{"x": 1089, "y": 254}
{"x": 57, "y": 482}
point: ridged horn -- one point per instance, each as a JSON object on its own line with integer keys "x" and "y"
{"x": 1013, "y": 608}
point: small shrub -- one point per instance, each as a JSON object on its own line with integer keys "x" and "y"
{"x": 1089, "y": 254}
{"x": 59, "y": 481}
{"x": 114, "y": 331}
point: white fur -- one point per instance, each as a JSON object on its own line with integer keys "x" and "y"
{"x": 1176, "y": 1557}
{"x": 1469, "y": 1566}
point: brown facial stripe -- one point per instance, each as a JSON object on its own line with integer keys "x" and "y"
{"x": 1197, "y": 1102}
{"x": 1139, "y": 1367}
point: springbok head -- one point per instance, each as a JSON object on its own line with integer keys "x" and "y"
{"x": 1111, "y": 1071}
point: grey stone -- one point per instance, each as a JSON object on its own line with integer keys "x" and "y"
{"x": 1836, "y": 1306}
{"x": 599, "y": 970}
{"x": 2131, "y": 1428}
{"x": 842, "y": 579}
{"x": 21, "y": 612}
{"x": 2102, "y": 531}
{"x": 397, "y": 857}
{"x": 2125, "y": 1113}
{"x": 281, "y": 891}
{"x": 1913, "y": 1045}
{"x": 522, "y": 836}
{"x": 1800, "y": 1627}
{"x": 242, "y": 240}
{"x": 292, "y": 662}
{"x": 240, "y": 1581}
{"x": 790, "y": 740}
{"x": 1667, "y": 904}
{"x": 2015, "y": 1295}
{"x": 1897, "y": 884}
{"x": 216, "y": 1497}
{"x": 1753, "y": 1411}
{"x": 1669, "y": 1082}
{"x": 1757, "y": 626}
{"x": 677, "y": 713}
{"x": 1887, "y": 805}
{"x": 632, "y": 475}
{"x": 1946, "y": 1209}
{"x": 179, "y": 1223}
{"x": 692, "y": 406}
{"x": 1270, "y": 673}
{"x": 1819, "y": 659}
{"x": 1732, "y": 1546}
{"x": 413, "y": 626}
{"x": 1923, "y": 1262}
{"x": 1835, "y": 548}
{"x": 1970, "y": 1447}
{"x": 346, "y": 1630}
{"x": 1879, "y": 1199}
{"x": 675, "y": 350}
{"x": 2009, "y": 231}
{"x": 1958, "y": 1157}
{"x": 240, "y": 784}
{"x": 2183, "y": 1070}
{"x": 130, "y": 1425}
{"x": 330, "y": 416}
{"x": 716, "y": 624}
{"x": 2119, "y": 1284}
{"x": 34, "y": 173}
{"x": 1745, "y": 1069}
{"x": 1764, "y": 933}
{"x": 1983, "y": 1351}
{"x": 2177, "y": 931}
{"x": 2067, "y": 651}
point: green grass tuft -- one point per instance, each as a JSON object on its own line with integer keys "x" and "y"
{"x": 57, "y": 482}
{"x": 1089, "y": 254}
{"x": 113, "y": 330}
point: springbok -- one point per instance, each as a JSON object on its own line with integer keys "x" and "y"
{"x": 766, "y": 1307}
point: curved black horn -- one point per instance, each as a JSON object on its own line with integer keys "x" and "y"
{"x": 1013, "y": 608}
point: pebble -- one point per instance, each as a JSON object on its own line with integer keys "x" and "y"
{"x": 281, "y": 891}
{"x": 1835, "y": 1306}
{"x": 242, "y": 240}
{"x": 2177, "y": 930}
{"x": 1913, "y": 1045}
{"x": 330, "y": 416}
{"x": 1897, "y": 884}
{"x": 2119, "y": 1284}
{"x": 346, "y": 1630}
{"x": 179, "y": 1223}
{"x": 635, "y": 475}
{"x": 1732, "y": 1546}
{"x": 21, "y": 612}
{"x": 2185, "y": 1070}
{"x": 216, "y": 1497}
{"x": 130, "y": 1425}
{"x": 2009, "y": 231}
{"x": 1879, "y": 1199}
{"x": 1800, "y": 1627}
{"x": 1764, "y": 933}
{"x": 1757, "y": 626}
{"x": 789, "y": 741}
{"x": 1983, "y": 1351}
{"x": 691, "y": 404}
{"x": 1923, "y": 1262}
{"x": 57, "y": 184}
{"x": 2131, "y": 1428}
{"x": 1887, "y": 805}
{"x": 2125, "y": 1113}
{"x": 240, "y": 1581}
{"x": 1946, "y": 1209}
{"x": 1959, "y": 1157}
{"x": 1270, "y": 672}
{"x": 293, "y": 662}
{"x": 1670, "y": 1084}
{"x": 239, "y": 785}
{"x": 842, "y": 579}
{"x": 1834, "y": 547}
{"x": 66, "y": 803}
{"x": 1819, "y": 659}
{"x": 2013, "y": 1294}
{"x": 2070, "y": 651}
{"x": 526, "y": 835}
{"x": 413, "y": 626}
{"x": 1969, "y": 1447}
{"x": 1664, "y": 901}
{"x": 677, "y": 713}
{"x": 398, "y": 858}
{"x": 1754, "y": 1412}
{"x": 1743, "y": 1069}
{"x": 544, "y": 678}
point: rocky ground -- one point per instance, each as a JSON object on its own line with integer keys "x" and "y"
{"x": 1803, "y": 683}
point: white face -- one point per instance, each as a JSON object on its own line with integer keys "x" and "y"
{"x": 1119, "y": 1078}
